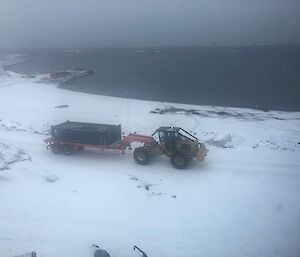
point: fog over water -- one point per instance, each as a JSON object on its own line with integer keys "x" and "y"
{"x": 220, "y": 52}
{"x": 97, "y": 23}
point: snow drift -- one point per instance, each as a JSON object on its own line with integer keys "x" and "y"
{"x": 242, "y": 201}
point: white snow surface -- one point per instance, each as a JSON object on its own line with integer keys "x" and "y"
{"x": 242, "y": 201}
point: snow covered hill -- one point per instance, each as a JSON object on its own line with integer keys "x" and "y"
{"x": 242, "y": 201}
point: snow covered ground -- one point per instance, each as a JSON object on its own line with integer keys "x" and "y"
{"x": 242, "y": 201}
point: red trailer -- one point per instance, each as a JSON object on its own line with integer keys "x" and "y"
{"x": 68, "y": 148}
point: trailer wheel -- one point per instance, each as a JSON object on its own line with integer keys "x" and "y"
{"x": 56, "y": 148}
{"x": 141, "y": 155}
{"x": 68, "y": 149}
{"x": 79, "y": 148}
{"x": 180, "y": 161}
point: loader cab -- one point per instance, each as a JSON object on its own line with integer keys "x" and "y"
{"x": 168, "y": 137}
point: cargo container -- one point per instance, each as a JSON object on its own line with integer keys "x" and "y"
{"x": 86, "y": 133}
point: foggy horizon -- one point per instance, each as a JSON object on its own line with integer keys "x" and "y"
{"x": 100, "y": 24}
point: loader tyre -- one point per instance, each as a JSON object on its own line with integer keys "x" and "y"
{"x": 56, "y": 148}
{"x": 141, "y": 155}
{"x": 180, "y": 161}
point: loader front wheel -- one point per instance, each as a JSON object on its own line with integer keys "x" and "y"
{"x": 180, "y": 161}
{"x": 141, "y": 155}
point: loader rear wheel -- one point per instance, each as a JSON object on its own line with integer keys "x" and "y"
{"x": 180, "y": 161}
{"x": 68, "y": 149}
{"x": 56, "y": 148}
{"x": 141, "y": 155}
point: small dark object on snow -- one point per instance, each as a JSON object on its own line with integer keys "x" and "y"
{"x": 62, "y": 106}
{"x": 147, "y": 187}
{"x": 101, "y": 253}
{"x": 141, "y": 251}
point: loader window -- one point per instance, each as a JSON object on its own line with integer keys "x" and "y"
{"x": 161, "y": 135}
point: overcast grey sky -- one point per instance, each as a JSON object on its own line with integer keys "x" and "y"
{"x": 96, "y": 23}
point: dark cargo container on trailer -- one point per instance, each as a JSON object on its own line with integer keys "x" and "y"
{"x": 86, "y": 133}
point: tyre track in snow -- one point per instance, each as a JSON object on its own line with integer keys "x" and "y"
{"x": 260, "y": 169}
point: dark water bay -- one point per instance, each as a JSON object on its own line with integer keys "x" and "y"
{"x": 262, "y": 77}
